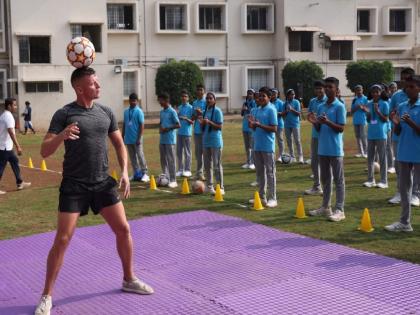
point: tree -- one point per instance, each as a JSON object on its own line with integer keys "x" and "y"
{"x": 367, "y": 72}
{"x": 300, "y": 76}
{"x": 176, "y": 76}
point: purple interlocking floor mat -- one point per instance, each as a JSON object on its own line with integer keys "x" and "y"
{"x": 205, "y": 263}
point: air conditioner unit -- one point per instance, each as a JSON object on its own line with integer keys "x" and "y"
{"x": 212, "y": 62}
{"x": 121, "y": 62}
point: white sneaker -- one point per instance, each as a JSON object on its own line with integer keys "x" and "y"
{"x": 252, "y": 166}
{"x": 263, "y": 202}
{"x": 301, "y": 161}
{"x": 311, "y": 176}
{"x": 210, "y": 190}
{"x": 44, "y": 306}
{"x": 314, "y": 192}
{"x": 381, "y": 185}
{"x": 279, "y": 159}
{"x": 391, "y": 170}
{"x": 396, "y": 199}
{"x": 292, "y": 160}
{"x": 2, "y": 192}
{"x": 369, "y": 184}
{"x": 186, "y": 174}
{"x": 358, "y": 155}
{"x": 399, "y": 227}
{"x": 178, "y": 174}
{"x": 145, "y": 178}
{"x": 23, "y": 185}
{"x": 337, "y": 216}
{"x": 213, "y": 192}
{"x": 254, "y": 184}
{"x": 245, "y": 166}
{"x": 272, "y": 203}
{"x": 321, "y": 212}
{"x": 364, "y": 155}
{"x": 308, "y": 161}
{"x": 173, "y": 185}
{"x": 137, "y": 286}
{"x": 415, "y": 201}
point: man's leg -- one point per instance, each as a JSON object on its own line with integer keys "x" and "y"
{"x": 326, "y": 180}
{"x": 14, "y": 163}
{"x": 3, "y": 162}
{"x": 338, "y": 175}
{"x": 198, "y": 148}
{"x": 179, "y": 150}
{"x": 315, "y": 163}
{"x": 381, "y": 147}
{"x": 406, "y": 188}
{"x": 133, "y": 158}
{"x": 141, "y": 157}
{"x": 115, "y": 217}
{"x": 289, "y": 141}
{"x": 170, "y": 151}
{"x": 270, "y": 174}
{"x": 187, "y": 154}
{"x": 65, "y": 229}
{"x": 298, "y": 143}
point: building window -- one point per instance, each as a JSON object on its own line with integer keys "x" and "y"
{"x": 398, "y": 21}
{"x": 216, "y": 80}
{"x": 211, "y": 17}
{"x": 34, "y": 49}
{"x": 363, "y": 21}
{"x": 341, "y": 50}
{"x": 173, "y": 17}
{"x": 44, "y": 87}
{"x": 257, "y": 78}
{"x": 91, "y": 32}
{"x": 2, "y": 28}
{"x": 129, "y": 83}
{"x": 120, "y": 16}
{"x": 301, "y": 41}
{"x": 257, "y": 18}
{"x": 3, "y": 84}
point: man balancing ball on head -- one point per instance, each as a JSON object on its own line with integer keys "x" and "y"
{"x": 84, "y": 127}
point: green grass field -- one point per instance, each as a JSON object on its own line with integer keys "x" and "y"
{"x": 34, "y": 211}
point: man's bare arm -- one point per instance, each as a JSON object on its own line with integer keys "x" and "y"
{"x": 118, "y": 143}
{"x": 52, "y": 141}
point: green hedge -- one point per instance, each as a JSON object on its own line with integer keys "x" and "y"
{"x": 367, "y": 73}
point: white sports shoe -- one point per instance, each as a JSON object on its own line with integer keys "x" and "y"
{"x": 145, "y": 178}
{"x": 254, "y": 184}
{"x": 301, "y": 161}
{"x": 292, "y": 160}
{"x": 44, "y": 306}
{"x": 272, "y": 203}
{"x": 391, "y": 170}
{"x": 173, "y": 185}
{"x": 137, "y": 286}
{"x": 381, "y": 185}
{"x": 308, "y": 161}
{"x": 396, "y": 199}
{"x": 369, "y": 184}
{"x": 131, "y": 178}
{"x": 210, "y": 190}
{"x": 245, "y": 166}
{"x": 321, "y": 212}
{"x": 252, "y": 166}
{"x": 279, "y": 159}
{"x": 2, "y": 192}
{"x": 178, "y": 174}
{"x": 399, "y": 227}
{"x": 415, "y": 201}
{"x": 365, "y": 155}
{"x": 213, "y": 192}
{"x": 358, "y": 155}
{"x": 337, "y": 216}
{"x": 314, "y": 192}
{"x": 186, "y": 174}
{"x": 23, "y": 185}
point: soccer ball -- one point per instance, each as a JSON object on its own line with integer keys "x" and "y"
{"x": 198, "y": 187}
{"x": 162, "y": 181}
{"x": 286, "y": 158}
{"x": 376, "y": 166}
{"x": 80, "y": 52}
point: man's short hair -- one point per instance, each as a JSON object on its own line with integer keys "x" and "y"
{"x": 266, "y": 91}
{"x": 319, "y": 83}
{"x": 9, "y": 101}
{"x": 163, "y": 96}
{"x": 80, "y": 73}
{"x": 27, "y": 103}
{"x": 332, "y": 80}
{"x": 200, "y": 86}
{"x": 408, "y": 71}
{"x": 185, "y": 92}
{"x": 133, "y": 97}
{"x": 414, "y": 79}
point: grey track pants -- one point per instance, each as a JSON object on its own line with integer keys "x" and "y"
{"x": 294, "y": 134}
{"x": 332, "y": 167}
{"x": 167, "y": 160}
{"x": 315, "y": 163}
{"x": 198, "y": 150}
{"x": 407, "y": 172}
{"x": 378, "y": 146}
{"x": 183, "y": 153}
{"x": 266, "y": 175}
{"x": 280, "y": 141}
{"x": 137, "y": 158}
{"x": 248, "y": 144}
{"x": 213, "y": 163}
{"x": 361, "y": 138}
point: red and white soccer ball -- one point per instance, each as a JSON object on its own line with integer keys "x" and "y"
{"x": 80, "y": 52}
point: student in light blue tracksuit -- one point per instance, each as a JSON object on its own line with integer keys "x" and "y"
{"x": 292, "y": 125}
{"x": 247, "y": 107}
{"x": 359, "y": 120}
{"x": 279, "y": 106}
{"x": 183, "y": 148}
{"x": 199, "y": 106}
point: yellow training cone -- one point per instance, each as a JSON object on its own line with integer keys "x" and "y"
{"x": 152, "y": 183}
{"x": 257, "y": 202}
{"x": 218, "y": 196}
{"x": 185, "y": 187}
{"x": 366, "y": 225}
{"x": 30, "y": 164}
{"x": 43, "y": 165}
{"x": 114, "y": 175}
{"x": 300, "y": 209}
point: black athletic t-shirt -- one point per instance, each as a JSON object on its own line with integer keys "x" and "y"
{"x": 85, "y": 159}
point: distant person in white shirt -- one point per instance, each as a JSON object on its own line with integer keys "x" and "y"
{"x": 7, "y": 139}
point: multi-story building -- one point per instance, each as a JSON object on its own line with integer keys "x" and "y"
{"x": 238, "y": 43}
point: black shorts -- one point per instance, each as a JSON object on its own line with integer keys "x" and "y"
{"x": 76, "y": 197}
